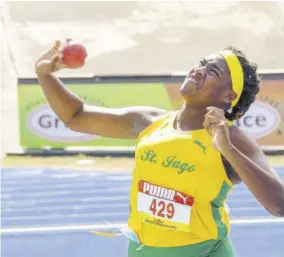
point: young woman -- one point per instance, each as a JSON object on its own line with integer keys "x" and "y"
{"x": 186, "y": 161}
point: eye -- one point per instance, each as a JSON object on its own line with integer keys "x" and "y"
{"x": 213, "y": 69}
{"x": 214, "y": 72}
{"x": 202, "y": 62}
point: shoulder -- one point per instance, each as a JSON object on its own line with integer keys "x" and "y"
{"x": 140, "y": 117}
{"x": 155, "y": 122}
{"x": 242, "y": 140}
{"x": 249, "y": 147}
{"x": 149, "y": 110}
{"x": 145, "y": 114}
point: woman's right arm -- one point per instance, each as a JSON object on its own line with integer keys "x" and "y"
{"x": 125, "y": 122}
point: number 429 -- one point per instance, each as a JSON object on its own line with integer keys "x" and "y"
{"x": 162, "y": 209}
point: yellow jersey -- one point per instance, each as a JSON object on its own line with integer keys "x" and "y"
{"x": 179, "y": 187}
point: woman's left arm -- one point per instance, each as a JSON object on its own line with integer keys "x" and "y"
{"x": 252, "y": 166}
{"x": 248, "y": 161}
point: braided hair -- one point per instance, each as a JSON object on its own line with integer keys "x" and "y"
{"x": 251, "y": 86}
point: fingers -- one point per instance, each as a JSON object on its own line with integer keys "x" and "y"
{"x": 216, "y": 112}
{"x": 56, "y": 45}
{"x": 49, "y": 66}
{"x": 58, "y": 65}
{"x": 214, "y": 117}
{"x": 214, "y": 128}
{"x": 68, "y": 40}
{"x": 213, "y": 120}
{"x": 211, "y": 129}
{"x": 55, "y": 59}
{"x": 214, "y": 108}
{"x": 210, "y": 120}
{"x": 55, "y": 50}
{"x": 48, "y": 55}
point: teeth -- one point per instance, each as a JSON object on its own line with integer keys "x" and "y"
{"x": 192, "y": 80}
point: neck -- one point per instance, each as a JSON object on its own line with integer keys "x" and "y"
{"x": 190, "y": 117}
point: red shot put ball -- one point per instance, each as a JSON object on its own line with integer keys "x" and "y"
{"x": 74, "y": 55}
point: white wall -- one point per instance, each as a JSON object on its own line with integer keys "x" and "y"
{"x": 8, "y": 85}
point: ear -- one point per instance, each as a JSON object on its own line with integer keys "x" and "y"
{"x": 229, "y": 97}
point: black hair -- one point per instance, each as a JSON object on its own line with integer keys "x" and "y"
{"x": 251, "y": 86}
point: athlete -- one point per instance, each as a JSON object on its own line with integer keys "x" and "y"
{"x": 186, "y": 161}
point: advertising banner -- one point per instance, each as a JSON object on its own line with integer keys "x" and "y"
{"x": 268, "y": 121}
{"x": 40, "y": 127}
{"x": 264, "y": 121}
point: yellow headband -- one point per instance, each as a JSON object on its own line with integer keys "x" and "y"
{"x": 236, "y": 72}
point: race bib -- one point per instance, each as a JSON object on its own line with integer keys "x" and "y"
{"x": 164, "y": 207}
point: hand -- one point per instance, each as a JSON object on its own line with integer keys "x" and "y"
{"x": 50, "y": 61}
{"x": 216, "y": 125}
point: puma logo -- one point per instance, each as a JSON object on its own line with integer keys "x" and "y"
{"x": 182, "y": 197}
{"x": 197, "y": 142}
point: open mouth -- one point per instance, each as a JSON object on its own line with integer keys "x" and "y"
{"x": 192, "y": 80}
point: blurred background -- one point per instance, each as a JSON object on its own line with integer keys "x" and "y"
{"x": 151, "y": 44}
{"x": 138, "y": 54}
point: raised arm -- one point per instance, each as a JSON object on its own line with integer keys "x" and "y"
{"x": 125, "y": 122}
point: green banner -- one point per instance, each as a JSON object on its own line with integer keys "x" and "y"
{"x": 40, "y": 127}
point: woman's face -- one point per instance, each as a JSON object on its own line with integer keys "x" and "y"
{"x": 208, "y": 83}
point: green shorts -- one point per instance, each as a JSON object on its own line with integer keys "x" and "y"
{"x": 211, "y": 248}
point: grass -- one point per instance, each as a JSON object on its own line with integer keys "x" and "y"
{"x": 83, "y": 162}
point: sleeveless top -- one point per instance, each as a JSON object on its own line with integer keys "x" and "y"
{"x": 179, "y": 187}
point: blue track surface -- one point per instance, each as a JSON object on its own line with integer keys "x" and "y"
{"x": 40, "y": 198}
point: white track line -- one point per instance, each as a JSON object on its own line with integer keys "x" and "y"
{"x": 63, "y": 216}
{"x": 32, "y": 195}
{"x": 32, "y": 203}
{"x": 64, "y": 208}
{"x": 118, "y": 225}
{"x": 258, "y": 221}
{"x": 59, "y": 186}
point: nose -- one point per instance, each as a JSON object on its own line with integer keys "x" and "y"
{"x": 200, "y": 72}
